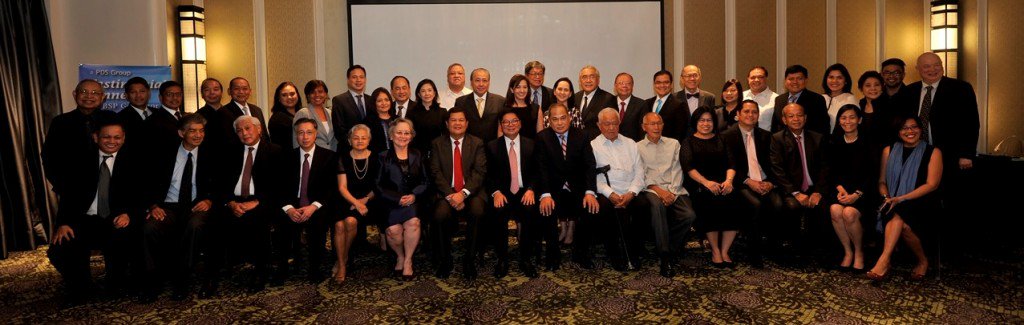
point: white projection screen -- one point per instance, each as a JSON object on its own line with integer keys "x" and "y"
{"x": 419, "y": 40}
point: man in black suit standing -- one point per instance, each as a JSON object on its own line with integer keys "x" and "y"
{"x": 893, "y": 71}
{"x": 567, "y": 162}
{"x": 239, "y": 106}
{"x": 513, "y": 181}
{"x": 458, "y": 166}
{"x": 350, "y": 108}
{"x": 631, "y": 108}
{"x": 178, "y": 198}
{"x": 309, "y": 195}
{"x": 247, "y": 185}
{"x": 98, "y": 210}
{"x": 71, "y": 134}
{"x": 813, "y": 103}
{"x": 591, "y": 99}
{"x": 400, "y": 90}
{"x": 540, "y": 95}
{"x": 483, "y": 109}
{"x": 212, "y": 92}
{"x": 691, "y": 95}
{"x": 674, "y": 113}
{"x": 163, "y": 124}
{"x": 133, "y": 116}
{"x": 798, "y": 162}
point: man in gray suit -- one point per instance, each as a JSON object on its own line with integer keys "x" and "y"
{"x": 691, "y": 94}
{"x": 591, "y": 99}
{"x": 350, "y": 107}
{"x": 483, "y": 109}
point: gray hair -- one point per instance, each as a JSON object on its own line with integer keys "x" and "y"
{"x": 246, "y": 119}
{"x": 369, "y": 135}
{"x": 608, "y": 111}
{"x": 396, "y": 122}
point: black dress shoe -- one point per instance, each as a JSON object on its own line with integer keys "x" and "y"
{"x": 718, "y": 265}
{"x": 756, "y": 262}
{"x": 469, "y": 272}
{"x": 501, "y": 270}
{"x": 620, "y": 266}
{"x": 256, "y": 286}
{"x": 667, "y": 270}
{"x": 208, "y": 290}
{"x": 528, "y": 270}
{"x": 443, "y": 272}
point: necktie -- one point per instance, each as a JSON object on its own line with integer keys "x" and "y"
{"x": 247, "y": 173}
{"x": 185, "y": 188}
{"x": 561, "y": 139}
{"x": 400, "y": 109}
{"x": 586, "y": 102}
{"x": 145, "y": 114}
{"x": 803, "y": 162}
{"x": 792, "y": 98}
{"x": 480, "y": 106}
{"x": 362, "y": 108}
{"x": 245, "y": 110}
{"x": 622, "y": 111}
{"x": 753, "y": 168}
{"x": 926, "y": 112}
{"x": 103, "y": 189}
{"x": 513, "y": 165}
{"x": 695, "y": 95}
{"x": 457, "y": 168}
{"x": 177, "y": 115}
{"x": 657, "y": 109}
{"x": 536, "y": 97}
{"x": 304, "y": 183}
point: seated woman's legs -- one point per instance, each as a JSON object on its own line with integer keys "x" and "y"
{"x": 851, "y": 216}
{"x": 716, "y": 252}
{"x": 727, "y": 238}
{"x": 839, "y": 224}
{"x": 344, "y": 232}
{"x": 893, "y": 230}
{"x": 411, "y": 238}
{"x": 914, "y": 242}
{"x": 396, "y": 238}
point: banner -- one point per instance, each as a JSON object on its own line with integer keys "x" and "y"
{"x": 113, "y": 77}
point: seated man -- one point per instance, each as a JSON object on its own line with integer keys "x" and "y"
{"x": 620, "y": 179}
{"x": 671, "y": 208}
{"x": 513, "y": 176}
{"x": 458, "y": 167}
{"x": 98, "y": 210}
{"x": 798, "y": 161}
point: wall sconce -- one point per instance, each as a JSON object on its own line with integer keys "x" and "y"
{"x": 192, "y": 32}
{"x": 945, "y": 22}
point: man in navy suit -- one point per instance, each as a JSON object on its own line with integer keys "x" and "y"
{"x": 812, "y": 103}
{"x": 673, "y": 112}
{"x": 350, "y": 108}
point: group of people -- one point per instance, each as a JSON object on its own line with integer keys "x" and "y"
{"x": 154, "y": 186}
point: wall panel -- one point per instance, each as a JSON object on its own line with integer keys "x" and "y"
{"x": 904, "y": 33}
{"x": 855, "y": 38}
{"x": 1005, "y": 62}
{"x": 805, "y": 36}
{"x": 704, "y": 26}
{"x": 755, "y": 39}
{"x": 230, "y": 48}
{"x": 291, "y": 54}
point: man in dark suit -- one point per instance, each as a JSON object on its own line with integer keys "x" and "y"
{"x": 754, "y": 174}
{"x": 178, "y": 198}
{"x": 351, "y": 107}
{"x": 483, "y": 109}
{"x": 71, "y": 134}
{"x": 212, "y": 92}
{"x": 98, "y": 210}
{"x": 513, "y": 181}
{"x": 400, "y": 90}
{"x": 458, "y": 166}
{"x": 691, "y": 95}
{"x": 893, "y": 71}
{"x": 674, "y": 113}
{"x": 239, "y": 105}
{"x": 569, "y": 191}
{"x": 798, "y": 162}
{"x": 631, "y": 108}
{"x": 136, "y": 91}
{"x": 812, "y": 103}
{"x": 591, "y": 99}
{"x": 309, "y": 195}
{"x": 540, "y": 95}
{"x": 247, "y": 184}
{"x": 163, "y": 124}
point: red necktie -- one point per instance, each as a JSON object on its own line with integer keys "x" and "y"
{"x": 622, "y": 111}
{"x": 457, "y": 170}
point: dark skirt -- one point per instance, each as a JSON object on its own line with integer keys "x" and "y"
{"x": 718, "y": 212}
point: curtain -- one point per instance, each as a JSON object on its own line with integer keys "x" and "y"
{"x": 30, "y": 98}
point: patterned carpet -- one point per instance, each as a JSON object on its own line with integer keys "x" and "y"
{"x": 990, "y": 292}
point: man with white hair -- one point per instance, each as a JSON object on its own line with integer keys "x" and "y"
{"x": 620, "y": 177}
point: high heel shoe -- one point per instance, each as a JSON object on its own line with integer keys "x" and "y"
{"x": 877, "y": 277}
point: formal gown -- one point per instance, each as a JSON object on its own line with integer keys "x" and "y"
{"x": 711, "y": 159}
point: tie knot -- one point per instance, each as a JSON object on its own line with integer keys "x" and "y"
{"x": 251, "y": 149}
{"x": 190, "y": 156}
{"x": 307, "y": 156}
{"x": 105, "y": 157}
{"x": 930, "y": 87}
{"x": 689, "y": 95}
{"x": 512, "y": 143}
{"x": 479, "y": 100}
{"x": 456, "y": 143}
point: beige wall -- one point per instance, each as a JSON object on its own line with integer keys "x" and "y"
{"x": 805, "y": 38}
{"x": 904, "y": 32}
{"x": 291, "y": 55}
{"x": 230, "y": 46}
{"x": 704, "y": 42}
{"x": 755, "y": 39}
{"x": 1005, "y": 62}
{"x": 855, "y": 38}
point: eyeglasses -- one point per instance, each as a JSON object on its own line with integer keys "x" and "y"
{"x": 691, "y": 76}
{"x": 84, "y": 92}
{"x": 510, "y": 122}
{"x": 892, "y": 73}
{"x": 910, "y": 127}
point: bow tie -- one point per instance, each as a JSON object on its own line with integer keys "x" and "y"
{"x": 689, "y": 95}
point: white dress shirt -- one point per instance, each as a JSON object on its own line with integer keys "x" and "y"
{"x": 141, "y": 111}
{"x": 626, "y": 173}
{"x": 179, "y": 166}
{"x": 170, "y": 111}
{"x": 692, "y": 102}
{"x": 760, "y": 165}
{"x": 539, "y": 94}
{"x": 298, "y": 193}
{"x": 664, "y": 100}
{"x": 405, "y": 108}
{"x": 359, "y": 97}
{"x": 252, "y": 185}
{"x": 448, "y": 97}
{"x": 661, "y": 164}
{"x": 801, "y": 142}
{"x": 244, "y": 106}
{"x": 619, "y": 101}
{"x": 110, "y": 165}
{"x": 766, "y": 105}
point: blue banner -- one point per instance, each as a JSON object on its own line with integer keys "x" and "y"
{"x": 113, "y": 78}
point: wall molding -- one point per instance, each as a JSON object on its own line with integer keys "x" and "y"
{"x": 981, "y": 88}
{"x": 780, "y": 44}
{"x": 319, "y": 38}
{"x": 879, "y": 33}
{"x": 260, "y": 45}
{"x": 730, "y": 39}
{"x": 680, "y": 37}
{"x": 830, "y": 32}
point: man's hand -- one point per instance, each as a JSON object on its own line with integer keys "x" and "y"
{"x": 201, "y": 206}
{"x": 547, "y": 206}
{"x": 625, "y": 199}
{"x": 590, "y": 203}
{"x": 966, "y": 164}
{"x": 156, "y": 213}
{"x": 528, "y": 198}
{"x": 615, "y": 198}
{"x": 122, "y": 221}
{"x": 306, "y": 212}
{"x": 294, "y": 214}
{"x": 64, "y": 234}
{"x": 803, "y": 199}
{"x": 455, "y": 199}
{"x": 666, "y": 197}
{"x": 814, "y": 200}
{"x": 499, "y": 200}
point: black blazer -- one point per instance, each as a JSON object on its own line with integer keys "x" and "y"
{"x": 499, "y": 173}
{"x": 577, "y": 167}
{"x": 635, "y": 110}
{"x": 84, "y": 177}
{"x": 281, "y": 130}
{"x": 674, "y": 113}
{"x": 229, "y": 112}
{"x": 814, "y": 107}
{"x": 345, "y": 114}
{"x": 162, "y": 170}
{"x": 786, "y": 164}
{"x": 704, "y": 98}
{"x": 546, "y": 98}
{"x": 379, "y": 141}
{"x": 733, "y": 138}
{"x": 429, "y": 125}
{"x": 134, "y": 129}
{"x": 474, "y": 164}
{"x": 601, "y": 100}
{"x": 214, "y": 127}
{"x": 484, "y": 127}
{"x": 953, "y": 120}
{"x": 392, "y": 183}
{"x": 323, "y": 178}
{"x": 163, "y": 129}
{"x": 69, "y": 138}
{"x": 267, "y": 169}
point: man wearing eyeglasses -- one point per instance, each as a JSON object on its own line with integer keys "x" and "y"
{"x": 539, "y": 94}
{"x": 163, "y": 124}
{"x": 70, "y": 134}
{"x": 513, "y": 182}
{"x": 893, "y": 71}
{"x": 691, "y": 94}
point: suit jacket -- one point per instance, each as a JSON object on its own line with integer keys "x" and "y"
{"x": 601, "y": 100}
{"x": 577, "y": 167}
{"x": 392, "y": 183}
{"x": 347, "y": 114}
{"x": 229, "y": 112}
{"x": 814, "y": 107}
{"x": 68, "y": 138}
{"x": 733, "y": 138}
{"x": 323, "y": 178}
{"x": 429, "y": 126}
{"x": 267, "y": 172}
{"x": 474, "y": 164}
{"x": 499, "y": 172}
{"x": 162, "y": 128}
{"x": 84, "y": 178}
{"x": 324, "y": 137}
{"x": 134, "y": 128}
{"x": 484, "y": 127}
{"x": 704, "y": 98}
{"x": 546, "y": 98}
{"x": 281, "y": 130}
{"x": 674, "y": 114}
{"x": 162, "y": 171}
{"x": 953, "y": 118}
{"x": 635, "y": 110}
{"x": 214, "y": 127}
{"x": 786, "y": 164}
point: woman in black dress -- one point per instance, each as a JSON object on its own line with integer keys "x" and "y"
{"x": 710, "y": 169}
{"x": 911, "y": 172}
{"x": 380, "y": 118}
{"x": 428, "y": 117}
{"x": 732, "y": 94}
{"x": 357, "y": 174}
{"x": 286, "y": 103}
{"x": 401, "y": 182}
{"x": 879, "y": 122}
{"x": 516, "y": 101}
{"x": 851, "y": 173}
